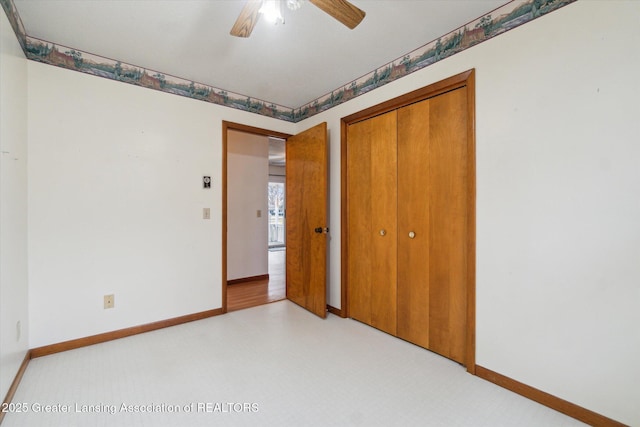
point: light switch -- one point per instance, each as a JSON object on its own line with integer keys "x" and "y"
{"x": 206, "y": 213}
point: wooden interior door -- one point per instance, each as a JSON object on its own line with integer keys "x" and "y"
{"x": 306, "y": 225}
{"x": 433, "y": 190}
{"x": 372, "y": 207}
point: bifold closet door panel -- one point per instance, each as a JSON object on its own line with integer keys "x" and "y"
{"x": 413, "y": 222}
{"x": 448, "y": 192}
{"x": 372, "y": 213}
{"x": 360, "y": 239}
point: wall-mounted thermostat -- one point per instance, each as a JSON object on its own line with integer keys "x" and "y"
{"x": 206, "y": 182}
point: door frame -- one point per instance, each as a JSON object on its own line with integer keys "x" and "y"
{"x": 226, "y": 127}
{"x": 464, "y": 79}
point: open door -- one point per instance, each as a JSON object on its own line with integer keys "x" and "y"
{"x": 306, "y": 210}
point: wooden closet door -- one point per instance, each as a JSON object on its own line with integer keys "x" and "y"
{"x": 432, "y": 203}
{"x": 372, "y": 216}
{"x": 413, "y": 217}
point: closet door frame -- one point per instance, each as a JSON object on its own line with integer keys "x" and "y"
{"x": 464, "y": 79}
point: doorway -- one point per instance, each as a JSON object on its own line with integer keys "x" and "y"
{"x": 307, "y": 228}
{"x": 276, "y": 191}
{"x": 254, "y": 244}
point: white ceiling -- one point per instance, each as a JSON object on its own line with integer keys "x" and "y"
{"x": 290, "y": 65}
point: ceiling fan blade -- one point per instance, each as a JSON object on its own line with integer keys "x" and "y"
{"x": 247, "y": 19}
{"x": 341, "y": 10}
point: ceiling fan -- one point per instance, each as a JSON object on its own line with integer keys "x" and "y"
{"x": 342, "y": 10}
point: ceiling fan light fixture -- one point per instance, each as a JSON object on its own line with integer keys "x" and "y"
{"x": 341, "y": 10}
{"x": 271, "y": 10}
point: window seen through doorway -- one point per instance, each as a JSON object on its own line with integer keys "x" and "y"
{"x": 275, "y": 192}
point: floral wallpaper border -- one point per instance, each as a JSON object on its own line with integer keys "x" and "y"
{"x": 502, "y": 19}
{"x": 73, "y": 59}
{"x": 15, "y": 21}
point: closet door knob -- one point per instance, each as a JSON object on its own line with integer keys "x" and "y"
{"x": 383, "y": 232}
{"x": 412, "y": 234}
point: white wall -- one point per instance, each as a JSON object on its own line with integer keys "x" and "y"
{"x": 558, "y": 206}
{"x": 116, "y": 203}
{"x": 247, "y": 181}
{"x": 13, "y": 206}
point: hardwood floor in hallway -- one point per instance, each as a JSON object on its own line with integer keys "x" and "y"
{"x": 251, "y": 294}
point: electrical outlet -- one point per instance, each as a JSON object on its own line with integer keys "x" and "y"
{"x": 259, "y": 213}
{"x": 18, "y": 330}
{"x": 206, "y": 213}
{"x": 109, "y": 301}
